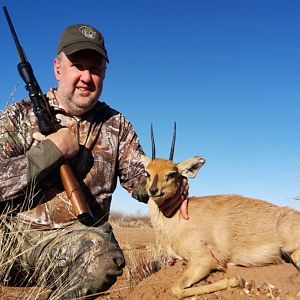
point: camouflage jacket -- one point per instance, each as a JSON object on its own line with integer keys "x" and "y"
{"x": 109, "y": 149}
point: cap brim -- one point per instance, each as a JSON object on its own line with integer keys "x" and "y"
{"x": 75, "y": 47}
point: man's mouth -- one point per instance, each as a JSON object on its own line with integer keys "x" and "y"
{"x": 84, "y": 91}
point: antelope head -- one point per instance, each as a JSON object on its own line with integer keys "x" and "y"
{"x": 163, "y": 175}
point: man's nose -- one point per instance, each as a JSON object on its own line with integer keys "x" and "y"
{"x": 86, "y": 75}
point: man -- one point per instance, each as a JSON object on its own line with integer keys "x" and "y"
{"x": 100, "y": 145}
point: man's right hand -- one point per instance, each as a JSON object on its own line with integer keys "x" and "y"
{"x": 64, "y": 139}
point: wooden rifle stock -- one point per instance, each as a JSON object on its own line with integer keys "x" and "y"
{"x": 73, "y": 191}
{"x": 47, "y": 125}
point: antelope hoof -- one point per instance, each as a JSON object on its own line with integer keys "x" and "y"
{"x": 235, "y": 282}
{"x": 295, "y": 256}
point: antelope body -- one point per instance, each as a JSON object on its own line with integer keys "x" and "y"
{"x": 221, "y": 229}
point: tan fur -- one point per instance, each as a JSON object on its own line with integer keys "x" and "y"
{"x": 221, "y": 229}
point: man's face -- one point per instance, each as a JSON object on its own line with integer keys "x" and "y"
{"x": 80, "y": 80}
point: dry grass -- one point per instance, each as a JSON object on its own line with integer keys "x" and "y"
{"x": 139, "y": 263}
{"x": 10, "y": 274}
{"x": 142, "y": 257}
{"x": 129, "y": 220}
{"x": 46, "y": 281}
{"x": 141, "y": 266}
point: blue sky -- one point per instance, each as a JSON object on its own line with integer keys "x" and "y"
{"x": 228, "y": 72}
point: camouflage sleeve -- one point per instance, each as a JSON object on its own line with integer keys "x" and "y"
{"x": 42, "y": 159}
{"x": 22, "y": 162}
{"x": 132, "y": 171}
{"x": 14, "y": 142}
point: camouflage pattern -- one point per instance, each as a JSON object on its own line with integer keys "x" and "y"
{"x": 52, "y": 247}
{"x": 74, "y": 261}
{"x": 109, "y": 149}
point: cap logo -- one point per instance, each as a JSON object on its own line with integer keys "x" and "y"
{"x": 88, "y": 32}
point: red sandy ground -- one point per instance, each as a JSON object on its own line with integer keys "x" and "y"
{"x": 280, "y": 282}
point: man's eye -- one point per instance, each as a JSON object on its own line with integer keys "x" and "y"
{"x": 79, "y": 67}
{"x": 96, "y": 70}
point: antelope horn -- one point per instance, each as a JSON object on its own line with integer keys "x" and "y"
{"x": 173, "y": 143}
{"x": 153, "y": 143}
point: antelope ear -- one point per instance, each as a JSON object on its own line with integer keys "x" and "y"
{"x": 145, "y": 160}
{"x": 190, "y": 166}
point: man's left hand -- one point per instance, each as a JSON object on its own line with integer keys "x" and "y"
{"x": 178, "y": 201}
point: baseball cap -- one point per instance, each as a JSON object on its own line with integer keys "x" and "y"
{"x": 80, "y": 37}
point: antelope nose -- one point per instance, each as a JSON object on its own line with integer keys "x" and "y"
{"x": 153, "y": 190}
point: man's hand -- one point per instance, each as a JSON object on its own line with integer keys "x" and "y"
{"x": 64, "y": 139}
{"x": 178, "y": 201}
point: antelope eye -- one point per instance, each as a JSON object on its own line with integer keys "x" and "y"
{"x": 171, "y": 175}
{"x": 147, "y": 175}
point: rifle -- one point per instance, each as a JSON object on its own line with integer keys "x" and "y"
{"x": 47, "y": 124}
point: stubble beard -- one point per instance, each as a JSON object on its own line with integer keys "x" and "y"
{"x": 73, "y": 103}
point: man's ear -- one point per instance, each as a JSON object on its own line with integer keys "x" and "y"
{"x": 104, "y": 72}
{"x": 145, "y": 160}
{"x": 56, "y": 67}
{"x": 190, "y": 166}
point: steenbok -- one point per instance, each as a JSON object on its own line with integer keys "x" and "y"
{"x": 221, "y": 230}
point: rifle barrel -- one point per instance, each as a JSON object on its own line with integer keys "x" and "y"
{"x": 20, "y": 50}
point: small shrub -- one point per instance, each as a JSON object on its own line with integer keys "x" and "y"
{"x": 142, "y": 266}
{"x": 129, "y": 220}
